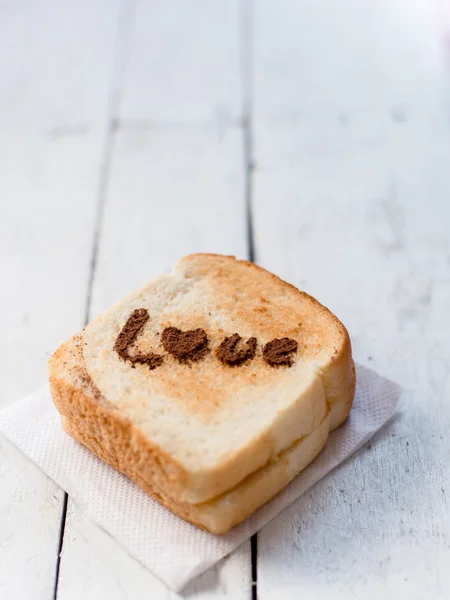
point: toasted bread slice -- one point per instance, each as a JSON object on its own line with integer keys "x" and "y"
{"x": 189, "y": 426}
{"x": 222, "y": 513}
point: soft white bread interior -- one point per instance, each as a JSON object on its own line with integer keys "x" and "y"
{"x": 195, "y": 433}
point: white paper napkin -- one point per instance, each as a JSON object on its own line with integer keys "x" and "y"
{"x": 170, "y": 548}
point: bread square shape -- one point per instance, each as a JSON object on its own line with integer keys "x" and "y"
{"x": 210, "y": 387}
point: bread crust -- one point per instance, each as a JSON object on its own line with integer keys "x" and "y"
{"x": 98, "y": 424}
{"x": 340, "y": 379}
{"x": 220, "y": 514}
{"x": 88, "y": 414}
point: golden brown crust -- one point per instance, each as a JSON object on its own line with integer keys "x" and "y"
{"x": 82, "y": 405}
{"x": 340, "y": 378}
{"x": 222, "y": 513}
{"x": 103, "y": 427}
{"x": 79, "y": 400}
{"x": 267, "y": 274}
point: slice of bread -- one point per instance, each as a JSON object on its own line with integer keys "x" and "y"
{"x": 222, "y": 513}
{"x": 144, "y": 386}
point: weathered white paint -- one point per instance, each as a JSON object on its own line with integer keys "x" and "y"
{"x": 30, "y": 509}
{"x": 184, "y": 63}
{"x": 95, "y": 566}
{"x": 55, "y": 68}
{"x": 351, "y": 203}
{"x": 171, "y": 192}
{"x": 176, "y": 185}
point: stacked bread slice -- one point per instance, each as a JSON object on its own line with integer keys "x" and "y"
{"x": 210, "y": 388}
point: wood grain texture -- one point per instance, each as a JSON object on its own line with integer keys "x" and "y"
{"x": 175, "y": 186}
{"x": 128, "y": 118}
{"x": 184, "y": 64}
{"x": 171, "y": 192}
{"x": 149, "y": 222}
{"x": 94, "y": 565}
{"x": 351, "y": 187}
{"x": 53, "y": 100}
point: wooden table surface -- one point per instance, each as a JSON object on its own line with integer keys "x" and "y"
{"x": 312, "y": 137}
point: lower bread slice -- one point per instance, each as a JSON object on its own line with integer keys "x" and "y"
{"x": 223, "y": 512}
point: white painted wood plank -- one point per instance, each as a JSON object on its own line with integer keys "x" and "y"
{"x": 105, "y": 570}
{"x": 351, "y": 191}
{"x": 176, "y": 186}
{"x": 30, "y": 509}
{"x": 171, "y": 192}
{"x": 184, "y": 63}
{"x": 55, "y": 68}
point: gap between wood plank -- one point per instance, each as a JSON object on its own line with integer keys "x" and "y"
{"x": 125, "y": 19}
{"x": 247, "y": 71}
{"x": 249, "y": 189}
{"x": 103, "y": 186}
{"x": 126, "y": 14}
{"x": 60, "y": 543}
{"x": 247, "y": 60}
{"x": 122, "y": 45}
